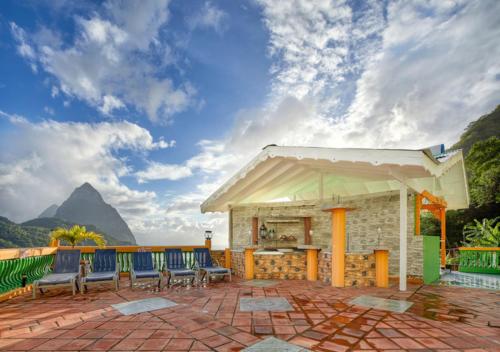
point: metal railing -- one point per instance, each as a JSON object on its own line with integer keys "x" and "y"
{"x": 484, "y": 260}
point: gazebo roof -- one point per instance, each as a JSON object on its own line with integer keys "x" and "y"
{"x": 280, "y": 174}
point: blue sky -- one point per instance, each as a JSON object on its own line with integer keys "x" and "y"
{"x": 156, "y": 103}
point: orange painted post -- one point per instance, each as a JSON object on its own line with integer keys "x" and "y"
{"x": 249, "y": 270}
{"x": 227, "y": 258}
{"x": 338, "y": 247}
{"x": 418, "y": 206}
{"x": 382, "y": 268}
{"x": 312, "y": 264}
{"x": 443, "y": 236}
{"x": 208, "y": 244}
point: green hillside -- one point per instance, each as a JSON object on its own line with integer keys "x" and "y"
{"x": 35, "y": 233}
{"x": 14, "y": 235}
{"x": 483, "y": 128}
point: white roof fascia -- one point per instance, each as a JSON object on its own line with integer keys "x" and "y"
{"x": 375, "y": 157}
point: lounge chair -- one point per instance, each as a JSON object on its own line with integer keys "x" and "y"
{"x": 104, "y": 269}
{"x": 204, "y": 263}
{"x": 66, "y": 272}
{"x": 143, "y": 269}
{"x": 175, "y": 266}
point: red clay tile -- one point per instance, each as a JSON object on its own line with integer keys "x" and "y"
{"x": 140, "y": 334}
{"x": 23, "y": 345}
{"x": 304, "y": 341}
{"x": 382, "y": 343}
{"x": 78, "y": 344}
{"x": 179, "y": 345}
{"x": 128, "y": 344}
{"x": 431, "y": 342}
{"x": 407, "y": 343}
{"x": 102, "y": 345}
{"x": 154, "y": 344}
{"x": 215, "y": 341}
{"x": 245, "y": 338}
{"x": 230, "y": 347}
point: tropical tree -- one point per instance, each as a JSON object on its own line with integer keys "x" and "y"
{"x": 77, "y": 234}
{"x": 483, "y": 234}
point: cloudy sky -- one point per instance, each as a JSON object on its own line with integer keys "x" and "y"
{"x": 156, "y": 103}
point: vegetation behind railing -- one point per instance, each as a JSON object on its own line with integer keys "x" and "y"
{"x": 484, "y": 260}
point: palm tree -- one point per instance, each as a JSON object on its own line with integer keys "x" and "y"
{"x": 77, "y": 234}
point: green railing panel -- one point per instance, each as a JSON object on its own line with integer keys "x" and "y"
{"x": 480, "y": 261}
{"x": 13, "y": 270}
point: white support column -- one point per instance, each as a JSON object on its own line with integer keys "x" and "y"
{"x": 403, "y": 196}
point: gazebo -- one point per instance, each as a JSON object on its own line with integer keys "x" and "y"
{"x": 335, "y": 178}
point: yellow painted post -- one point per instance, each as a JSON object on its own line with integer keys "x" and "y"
{"x": 338, "y": 247}
{"x": 227, "y": 258}
{"x": 382, "y": 267}
{"x": 312, "y": 264}
{"x": 249, "y": 263}
{"x": 54, "y": 243}
{"x": 208, "y": 244}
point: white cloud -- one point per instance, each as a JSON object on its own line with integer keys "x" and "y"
{"x": 41, "y": 163}
{"x": 114, "y": 60}
{"x": 24, "y": 48}
{"x": 158, "y": 171}
{"x": 110, "y": 103}
{"x": 48, "y": 110}
{"x": 209, "y": 16}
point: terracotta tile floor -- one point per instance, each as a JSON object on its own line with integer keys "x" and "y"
{"x": 207, "y": 319}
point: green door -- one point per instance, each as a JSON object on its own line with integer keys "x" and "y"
{"x": 431, "y": 259}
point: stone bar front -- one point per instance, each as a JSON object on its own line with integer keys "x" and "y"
{"x": 278, "y": 265}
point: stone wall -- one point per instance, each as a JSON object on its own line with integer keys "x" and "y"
{"x": 359, "y": 269}
{"x": 238, "y": 263}
{"x": 374, "y": 223}
{"x": 287, "y": 266}
{"x": 325, "y": 266}
{"x": 218, "y": 257}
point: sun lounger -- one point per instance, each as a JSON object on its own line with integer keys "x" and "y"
{"x": 205, "y": 265}
{"x": 66, "y": 272}
{"x": 175, "y": 266}
{"x": 143, "y": 269}
{"x": 104, "y": 269}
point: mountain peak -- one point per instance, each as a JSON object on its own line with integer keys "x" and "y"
{"x": 49, "y": 212}
{"x": 86, "y": 191}
{"x": 86, "y": 206}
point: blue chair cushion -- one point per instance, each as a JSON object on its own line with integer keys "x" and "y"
{"x": 181, "y": 272}
{"x": 55, "y": 279}
{"x": 104, "y": 260}
{"x": 146, "y": 273}
{"x": 67, "y": 261}
{"x": 203, "y": 257}
{"x": 174, "y": 259}
{"x": 100, "y": 276}
{"x": 143, "y": 261}
{"x": 216, "y": 270}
